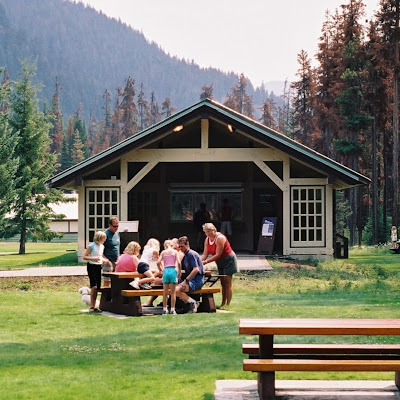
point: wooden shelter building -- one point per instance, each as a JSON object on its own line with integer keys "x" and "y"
{"x": 206, "y": 153}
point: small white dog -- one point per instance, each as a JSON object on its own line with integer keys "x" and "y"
{"x": 85, "y": 292}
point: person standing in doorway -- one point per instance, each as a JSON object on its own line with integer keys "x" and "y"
{"x": 201, "y": 217}
{"x": 111, "y": 247}
{"x": 226, "y": 216}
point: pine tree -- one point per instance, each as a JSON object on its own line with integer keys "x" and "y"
{"x": 303, "y": 101}
{"x": 77, "y": 149}
{"x": 239, "y": 100}
{"x": 207, "y": 92}
{"x": 388, "y": 26}
{"x": 30, "y": 208}
{"x": 8, "y": 158}
{"x": 128, "y": 109}
{"x": 56, "y": 118}
{"x": 267, "y": 117}
{"x": 167, "y": 108}
{"x": 155, "y": 115}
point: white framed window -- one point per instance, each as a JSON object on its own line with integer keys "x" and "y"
{"x": 101, "y": 204}
{"x": 307, "y": 216}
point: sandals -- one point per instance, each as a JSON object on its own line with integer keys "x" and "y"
{"x": 94, "y": 310}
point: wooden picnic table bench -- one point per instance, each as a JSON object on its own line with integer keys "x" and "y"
{"x": 133, "y": 305}
{"x": 267, "y": 357}
{"x": 112, "y": 300}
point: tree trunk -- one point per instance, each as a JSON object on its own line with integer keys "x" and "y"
{"x": 395, "y": 175}
{"x": 374, "y": 183}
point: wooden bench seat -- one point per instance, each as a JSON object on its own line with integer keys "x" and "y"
{"x": 252, "y": 349}
{"x": 159, "y": 292}
{"x": 271, "y": 365}
{"x": 133, "y": 306}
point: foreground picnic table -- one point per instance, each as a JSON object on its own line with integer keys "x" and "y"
{"x": 268, "y": 358}
{"x": 121, "y": 298}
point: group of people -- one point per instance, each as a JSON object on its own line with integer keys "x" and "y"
{"x": 177, "y": 267}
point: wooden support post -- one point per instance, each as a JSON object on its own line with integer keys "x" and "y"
{"x": 266, "y": 380}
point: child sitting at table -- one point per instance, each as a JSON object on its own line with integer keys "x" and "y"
{"x": 150, "y": 253}
{"x": 169, "y": 257}
{"x": 95, "y": 259}
{"x": 129, "y": 260}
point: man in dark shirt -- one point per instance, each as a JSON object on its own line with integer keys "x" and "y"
{"x": 111, "y": 247}
{"x": 193, "y": 266}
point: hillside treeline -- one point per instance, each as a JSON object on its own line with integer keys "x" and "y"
{"x": 347, "y": 107}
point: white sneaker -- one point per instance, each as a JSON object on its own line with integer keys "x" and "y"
{"x": 165, "y": 312}
{"x": 193, "y": 307}
{"x": 173, "y": 312}
{"x": 135, "y": 284}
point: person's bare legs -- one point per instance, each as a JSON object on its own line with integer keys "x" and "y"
{"x": 173, "y": 295}
{"x": 93, "y": 297}
{"x": 149, "y": 278}
{"x": 165, "y": 295}
{"x": 227, "y": 290}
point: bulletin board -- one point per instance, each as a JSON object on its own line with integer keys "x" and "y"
{"x": 267, "y": 235}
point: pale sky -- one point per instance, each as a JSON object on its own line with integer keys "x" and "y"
{"x": 260, "y": 38}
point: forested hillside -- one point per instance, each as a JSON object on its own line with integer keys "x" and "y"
{"x": 89, "y": 52}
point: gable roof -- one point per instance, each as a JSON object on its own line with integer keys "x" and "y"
{"x": 342, "y": 176}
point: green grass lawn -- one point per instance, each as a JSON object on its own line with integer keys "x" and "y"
{"x": 50, "y": 349}
{"x": 37, "y": 255}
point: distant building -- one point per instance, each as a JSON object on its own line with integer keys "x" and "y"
{"x": 69, "y": 224}
{"x": 206, "y": 153}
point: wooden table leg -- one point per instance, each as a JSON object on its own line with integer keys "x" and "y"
{"x": 266, "y": 380}
{"x": 397, "y": 379}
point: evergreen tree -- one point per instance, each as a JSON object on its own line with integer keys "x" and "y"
{"x": 30, "y": 208}
{"x": 155, "y": 115}
{"x": 167, "y": 108}
{"x": 8, "y": 158}
{"x": 303, "y": 100}
{"x": 77, "y": 149}
{"x": 388, "y": 25}
{"x": 144, "y": 110}
{"x": 128, "y": 109}
{"x": 207, "y": 92}
{"x": 267, "y": 117}
{"x": 56, "y": 118}
{"x": 239, "y": 100}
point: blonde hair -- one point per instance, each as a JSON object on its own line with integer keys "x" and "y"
{"x": 132, "y": 248}
{"x": 168, "y": 243}
{"x": 99, "y": 235}
{"x": 209, "y": 227}
{"x": 154, "y": 243}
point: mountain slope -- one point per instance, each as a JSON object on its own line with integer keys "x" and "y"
{"x": 89, "y": 52}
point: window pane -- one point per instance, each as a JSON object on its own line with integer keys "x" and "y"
{"x": 296, "y": 222}
{"x": 91, "y": 196}
{"x": 310, "y": 194}
{"x": 303, "y": 221}
{"x": 310, "y": 222}
{"x": 303, "y": 194}
{"x": 99, "y": 209}
{"x": 318, "y": 207}
{"x": 114, "y": 209}
{"x": 114, "y": 195}
{"x": 91, "y": 223}
{"x": 296, "y": 208}
{"x": 295, "y": 194}
{"x": 99, "y": 196}
{"x": 303, "y": 208}
{"x": 91, "y": 209}
{"x": 303, "y": 235}
{"x": 319, "y": 234}
{"x": 99, "y": 223}
{"x": 296, "y": 235}
{"x": 311, "y": 235}
{"x": 107, "y": 195}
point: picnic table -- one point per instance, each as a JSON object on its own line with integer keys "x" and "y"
{"x": 121, "y": 298}
{"x": 267, "y": 357}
